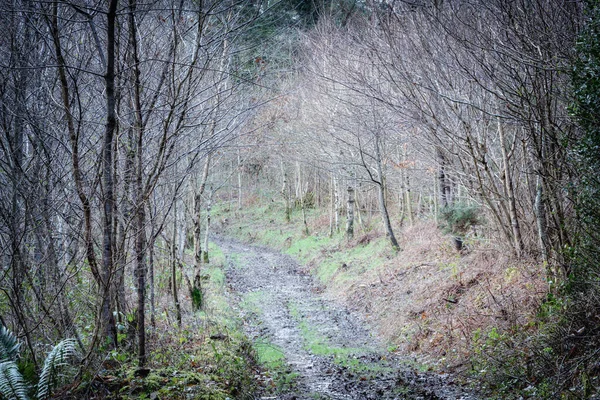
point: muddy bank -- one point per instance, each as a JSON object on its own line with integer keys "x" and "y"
{"x": 331, "y": 351}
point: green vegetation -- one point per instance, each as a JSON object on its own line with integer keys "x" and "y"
{"x": 271, "y": 358}
{"x": 316, "y": 343}
{"x": 459, "y": 218}
{"x": 14, "y": 384}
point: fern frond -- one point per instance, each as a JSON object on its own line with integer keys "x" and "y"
{"x": 12, "y": 384}
{"x": 9, "y": 345}
{"x": 57, "y": 359}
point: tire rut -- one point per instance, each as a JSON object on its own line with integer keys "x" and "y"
{"x": 331, "y": 349}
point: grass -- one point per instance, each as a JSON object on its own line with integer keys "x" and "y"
{"x": 252, "y": 301}
{"x": 318, "y": 344}
{"x": 347, "y": 357}
{"x": 272, "y": 358}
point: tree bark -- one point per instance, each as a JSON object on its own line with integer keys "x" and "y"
{"x": 107, "y": 177}
{"x": 510, "y": 194}
{"x": 443, "y": 186}
{"x": 350, "y": 214}
{"x": 336, "y": 194}
{"x": 174, "y": 262}
{"x": 139, "y": 197}
{"x": 285, "y": 194}
{"x": 382, "y": 203}
{"x": 205, "y": 256}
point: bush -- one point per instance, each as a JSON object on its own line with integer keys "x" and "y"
{"x": 458, "y": 218}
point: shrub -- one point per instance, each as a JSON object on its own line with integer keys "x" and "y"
{"x": 458, "y": 218}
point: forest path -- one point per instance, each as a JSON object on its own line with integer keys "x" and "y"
{"x": 332, "y": 352}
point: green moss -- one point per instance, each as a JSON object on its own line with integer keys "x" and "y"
{"x": 196, "y": 298}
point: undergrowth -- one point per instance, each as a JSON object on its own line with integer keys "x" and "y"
{"x": 208, "y": 357}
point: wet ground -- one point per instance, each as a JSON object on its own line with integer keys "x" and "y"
{"x": 331, "y": 351}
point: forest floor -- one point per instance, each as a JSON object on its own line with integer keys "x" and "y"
{"x": 314, "y": 348}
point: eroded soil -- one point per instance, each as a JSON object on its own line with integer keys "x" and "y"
{"x": 330, "y": 350}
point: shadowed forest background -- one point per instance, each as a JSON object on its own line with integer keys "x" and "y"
{"x": 434, "y": 164}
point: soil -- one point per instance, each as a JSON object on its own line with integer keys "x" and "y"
{"x": 331, "y": 349}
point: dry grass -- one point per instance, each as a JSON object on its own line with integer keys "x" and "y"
{"x": 431, "y": 301}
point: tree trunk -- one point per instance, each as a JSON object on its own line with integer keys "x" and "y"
{"x": 239, "y": 179}
{"x": 510, "y": 194}
{"x": 151, "y": 279}
{"x": 331, "y": 208}
{"x": 540, "y": 217}
{"x": 197, "y": 288}
{"x": 408, "y": 200}
{"x": 300, "y": 195}
{"x": 350, "y": 214}
{"x": 285, "y": 194}
{"x": 436, "y": 204}
{"x": 139, "y": 198}
{"x": 336, "y": 194}
{"x": 382, "y": 203}
{"x": 443, "y": 186}
{"x": 107, "y": 176}
{"x": 174, "y": 267}
{"x": 205, "y": 257}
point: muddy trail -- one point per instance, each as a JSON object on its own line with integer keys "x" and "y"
{"x": 328, "y": 350}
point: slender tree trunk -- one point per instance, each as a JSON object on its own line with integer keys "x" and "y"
{"x": 444, "y": 187}
{"x": 174, "y": 267}
{"x": 140, "y": 250}
{"x": 151, "y": 279}
{"x": 300, "y": 195}
{"x": 540, "y": 216}
{"x": 350, "y": 214}
{"x": 336, "y": 194}
{"x": 382, "y": 203}
{"x": 205, "y": 257}
{"x": 408, "y": 201}
{"x": 331, "y": 208}
{"x": 196, "y": 292}
{"x": 510, "y": 194}
{"x": 139, "y": 198}
{"x": 358, "y": 212}
{"x": 239, "y": 179}
{"x": 436, "y": 205}
{"x": 197, "y": 287}
{"x": 285, "y": 194}
{"x": 107, "y": 176}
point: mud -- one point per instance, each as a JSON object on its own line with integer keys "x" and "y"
{"x": 331, "y": 349}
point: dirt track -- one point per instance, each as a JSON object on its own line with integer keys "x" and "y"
{"x": 331, "y": 350}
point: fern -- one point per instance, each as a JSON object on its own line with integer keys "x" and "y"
{"x": 55, "y": 361}
{"x": 9, "y": 345}
{"x": 12, "y": 384}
